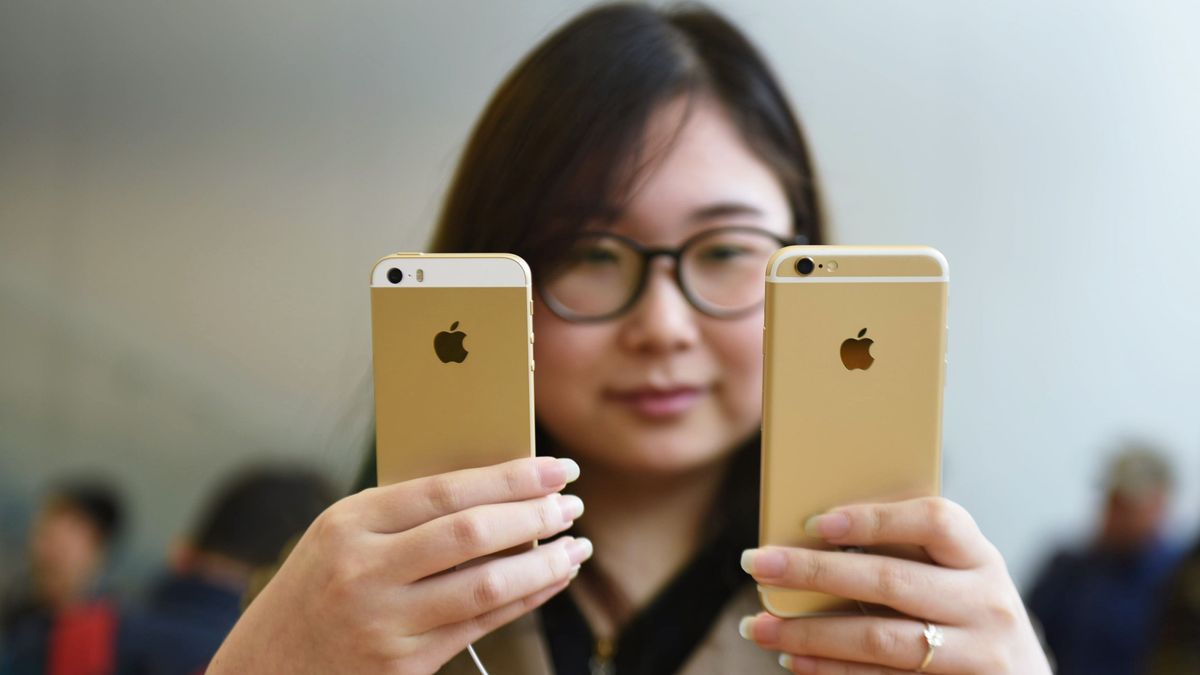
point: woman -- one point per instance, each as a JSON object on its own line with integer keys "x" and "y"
{"x": 630, "y": 133}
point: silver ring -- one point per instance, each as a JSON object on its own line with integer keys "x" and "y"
{"x": 934, "y": 638}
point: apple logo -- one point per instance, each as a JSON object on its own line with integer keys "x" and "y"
{"x": 449, "y": 346}
{"x": 856, "y": 354}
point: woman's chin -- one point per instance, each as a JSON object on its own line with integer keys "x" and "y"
{"x": 657, "y": 455}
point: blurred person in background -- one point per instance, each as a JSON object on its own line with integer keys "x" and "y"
{"x": 1098, "y": 605}
{"x": 249, "y": 523}
{"x": 64, "y": 623}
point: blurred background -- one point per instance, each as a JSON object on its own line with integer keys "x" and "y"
{"x": 192, "y": 194}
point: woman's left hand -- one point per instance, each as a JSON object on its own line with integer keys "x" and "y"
{"x": 965, "y": 592}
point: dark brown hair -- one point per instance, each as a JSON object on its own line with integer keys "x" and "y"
{"x": 98, "y": 501}
{"x": 257, "y": 511}
{"x": 553, "y": 149}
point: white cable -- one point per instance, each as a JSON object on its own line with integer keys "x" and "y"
{"x": 475, "y": 658}
{"x": 471, "y": 647}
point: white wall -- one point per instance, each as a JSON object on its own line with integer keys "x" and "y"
{"x": 191, "y": 195}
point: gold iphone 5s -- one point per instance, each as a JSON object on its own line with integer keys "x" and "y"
{"x": 452, "y": 341}
{"x": 853, "y": 359}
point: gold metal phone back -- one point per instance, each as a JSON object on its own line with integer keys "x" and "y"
{"x": 833, "y": 432}
{"x": 434, "y": 416}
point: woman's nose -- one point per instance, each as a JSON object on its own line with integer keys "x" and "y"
{"x": 663, "y": 320}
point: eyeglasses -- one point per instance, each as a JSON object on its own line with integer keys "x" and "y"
{"x": 601, "y": 275}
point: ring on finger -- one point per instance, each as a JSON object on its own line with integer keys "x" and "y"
{"x": 934, "y": 638}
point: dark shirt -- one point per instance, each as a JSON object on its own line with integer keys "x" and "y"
{"x": 25, "y": 642}
{"x": 180, "y": 629}
{"x": 1098, "y": 608}
{"x": 661, "y": 637}
{"x": 78, "y": 640}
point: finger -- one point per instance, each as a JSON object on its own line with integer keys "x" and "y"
{"x": 461, "y": 537}
{"x": 398, "y": 507}
{"x": 447, "y": 641}
{"x": 896, "y": 643}
{"x": 913, "y": 588}
{"x": 468, "y": 593}
{"x": 946, "y": 531}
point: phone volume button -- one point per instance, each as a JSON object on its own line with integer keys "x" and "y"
{"x": 532, "y": 365}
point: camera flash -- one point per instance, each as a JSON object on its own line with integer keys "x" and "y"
{"x": 831, "y": 266}
{"x": 420, "y": 275}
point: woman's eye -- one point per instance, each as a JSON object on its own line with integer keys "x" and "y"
{"x": 722, "y": 253}
{"x": 595, "y": 256}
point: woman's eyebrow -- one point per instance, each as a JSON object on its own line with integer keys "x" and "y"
{"x": 724, "y": 210}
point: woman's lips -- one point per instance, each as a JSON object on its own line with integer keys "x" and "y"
{"x": 659, "y": 403}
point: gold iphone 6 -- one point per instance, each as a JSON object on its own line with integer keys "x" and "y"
{"x": 452, "y": 341}
{"x": 854, "y": 360}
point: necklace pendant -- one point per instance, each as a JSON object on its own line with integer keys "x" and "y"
{"x": 601, "y": 661}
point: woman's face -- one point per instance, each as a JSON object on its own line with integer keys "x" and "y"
{"x": 664, "y": 388}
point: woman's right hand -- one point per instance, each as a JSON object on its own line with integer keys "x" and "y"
{"x": 371, "y": 586}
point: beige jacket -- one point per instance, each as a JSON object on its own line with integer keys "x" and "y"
{"x": 520, "y": 649}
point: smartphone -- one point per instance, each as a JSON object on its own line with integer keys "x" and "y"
{"x": 452, "y": 341}
{"x": 854, "y": 360}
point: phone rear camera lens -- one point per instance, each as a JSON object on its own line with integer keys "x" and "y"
{"x": 395, "y": 275}
{"x": 805, "y": 266}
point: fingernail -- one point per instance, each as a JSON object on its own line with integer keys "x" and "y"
{"x": 579, "y": 549}
{"x": 559, "y": 472}
{"x": 574, "y": 572}
{"x": 763, "y": 562}
{"x": 785, "y": 660}
{"x": 571, "y": 507}
{"x": 828, "y": 526}
{"x": 746, "y": 627}
{"x": 570, "y": 468}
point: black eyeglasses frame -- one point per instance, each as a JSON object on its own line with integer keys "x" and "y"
{"x": 647, "y": 255}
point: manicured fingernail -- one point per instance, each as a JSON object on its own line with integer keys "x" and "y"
{"x": 828, "y": 526}
{"x": 571, "y": 507}
{"x": 746, "y": 627}
{"x": 559, "y": 472}
{"x": 570, "y": 468}
{"x": 579, "y": 549}
{"x": 763, "y": 562}
{"x": 785, "y": 660}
